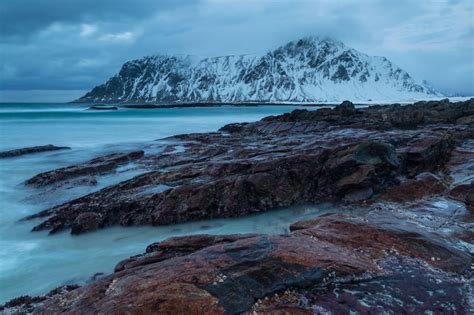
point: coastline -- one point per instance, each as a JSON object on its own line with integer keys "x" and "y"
{"x": 393, "y": 157}
{"x": 157, "y": 105}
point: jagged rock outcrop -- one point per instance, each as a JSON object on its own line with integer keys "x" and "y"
{"x": 341, "y": 154}
{"x": 309, "y": 69}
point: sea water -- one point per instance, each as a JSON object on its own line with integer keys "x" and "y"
{"x": 33, "y": 263}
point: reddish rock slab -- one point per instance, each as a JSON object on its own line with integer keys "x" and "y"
{"x": 424, "y": 185}
{"x": 177, "y": 246}
{"x": 221, "y": 278}
{"x": 405, "y": 287}
{"x": 322, "y": 263}
{"x": 378, "y": 233}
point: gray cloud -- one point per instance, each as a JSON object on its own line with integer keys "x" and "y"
{"x": 77, "y": 44}
{"x": 26, "y": 17}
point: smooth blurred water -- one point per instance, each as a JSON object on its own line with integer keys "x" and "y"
{"x": 33, "y": 263}
{"x": 71, "y": 124}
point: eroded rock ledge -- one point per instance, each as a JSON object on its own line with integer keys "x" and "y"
{"x": 341, "y": 154}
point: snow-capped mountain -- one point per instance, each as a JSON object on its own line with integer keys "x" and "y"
{"x": 309, "y": 69}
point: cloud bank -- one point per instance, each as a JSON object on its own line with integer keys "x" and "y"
{"x": 72, "y": 45}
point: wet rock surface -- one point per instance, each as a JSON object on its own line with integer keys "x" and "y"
{"x": 464, "y": 193}
{"x": 100, "y": 165}
{"x": 30, "y": 150}
{"x": 338, "y": 263}
{"x": 404, "y": 245}
{"x": 424, "y": 184}
{"x": 341, "y": 154}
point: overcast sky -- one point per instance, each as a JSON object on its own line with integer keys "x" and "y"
{"x": 56, "y": 50}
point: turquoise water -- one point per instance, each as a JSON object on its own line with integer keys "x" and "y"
{"x": 73, "y": 125}
{"x": 34, "y": 263}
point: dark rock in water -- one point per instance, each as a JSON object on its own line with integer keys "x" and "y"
{"x": 238, "y": 189}
{"x": 102, "y": 107}
{"x": 85, "y": 222}
{"x": 30, "y": 150}
{"x": 82, "y": 181}
{"x": 95, "y": 166}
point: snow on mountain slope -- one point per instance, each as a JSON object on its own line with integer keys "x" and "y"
{"x": 309, "y": 69}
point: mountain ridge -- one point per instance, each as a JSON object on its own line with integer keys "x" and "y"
{"x": 305, "y": 70}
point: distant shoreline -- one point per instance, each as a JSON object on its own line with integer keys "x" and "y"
{"x": 157, "y": 105}
{"x": 97, "y": 106}
{"x": 189, "y": 105}
{"x": 200, "y": 104}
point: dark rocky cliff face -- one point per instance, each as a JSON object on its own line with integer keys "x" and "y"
{"x": 310, "y": 69}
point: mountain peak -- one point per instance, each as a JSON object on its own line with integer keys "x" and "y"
{"x": 323, "y": 40}
{"x": 312, "y": 68}
{"x": 315, "y": 42}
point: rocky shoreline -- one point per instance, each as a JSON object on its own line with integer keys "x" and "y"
{"x": 405, "y": 174}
